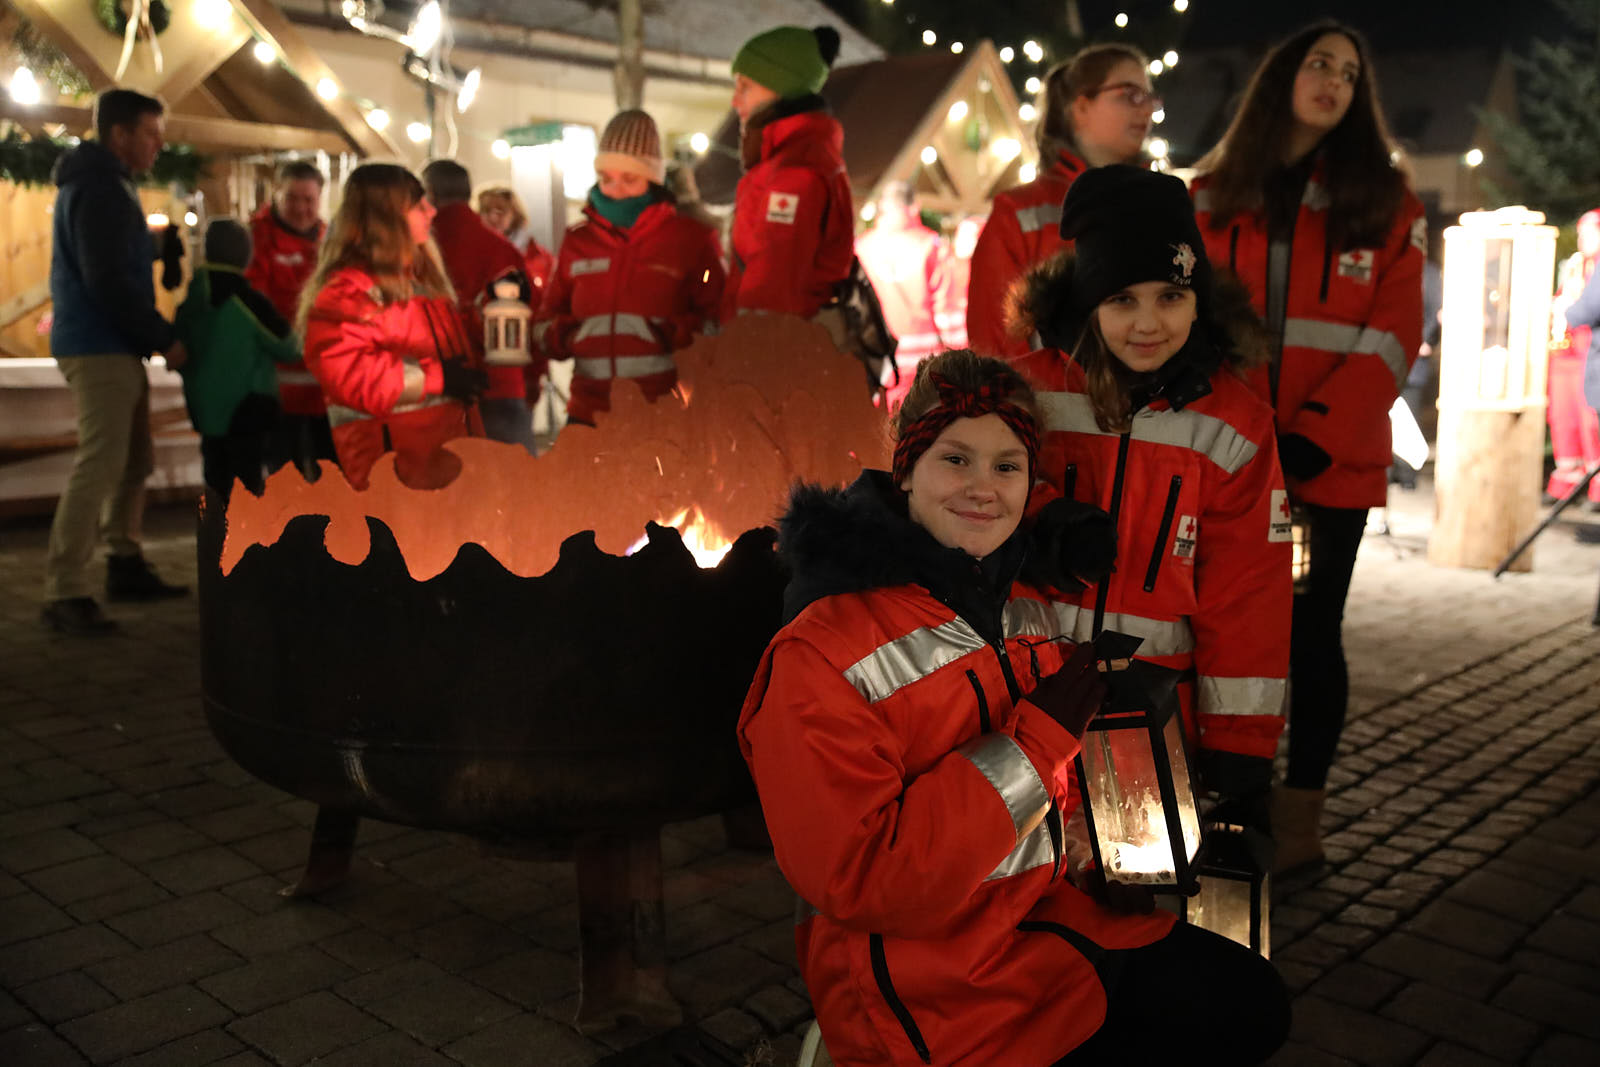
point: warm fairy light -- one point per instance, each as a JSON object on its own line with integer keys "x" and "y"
{"x": 501, "y": 148}
{"x": 327, "y": 88}
{"x": 1027, "y": 172}
{"x": 929, "y": 37}
{"x": 1006, "y": 149}
{"x": 958, "y": 111}
{"x": 1156, "y": 66}
{"x": 930, "y": 156}
{"x": 190, "y": 219}
{"x": 424, "y": 32}
{"x": 212, "y": 14}
{"x": 1158, "y": 115}
{"x": 1033, "y": 51}
{"x": 956, "y": 47}
{"x": 1122, "y": 20}
{"x": 263, "y": 52}
{"x": 469, "y": 89}
{"x": 1473, "y": 158}
{"x": 869, "y": 211}
{"x": 1027, "y": 112}
{"x": 1170, "y": 58}
{"x": 378, "y": 119}
{"x": 699, "y": 142}
{"x": 1180, "y": 6}
{"x": 24, "y": 87}
{"x": 1159, "y": 147}
{"x": 418, "y": 132}
{"x": 1007, "y": 54}
{"x": 1033, "y": 85}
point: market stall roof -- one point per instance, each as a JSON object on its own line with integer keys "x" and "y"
{"x": 962, "y": 106}
{"x": 219, "y": 98}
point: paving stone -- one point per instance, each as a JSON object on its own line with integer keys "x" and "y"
{"x": 151, "y": 842}
{"x": 1358, "y": 984}
{"x": 1564, "y": 1050}
{"x": 309, "y": 1026}
{"x": 170, "y": 920}
{"x": 364, "y": 950}
{"x": 1554, "y": 1003}
{"x": 722, "y": 977}
{"x": 272, "y": 979}
{"x": 1437, "y": 964}
{"x": 1296, "y": 1054}
{"x": 734, "y": 1027}
{"x": 204, "y": 868}
{"x": 1467, "y": 1021}
{"x": 389, "y": 982}
{"x": 441, "y": 1011}
{"x": 700, "y": 926}
{"x": 29, "y": 915}
{"x": 35, "y": 1045}
{"x": 1466, "y": 928}
{"x": 65, "y": 996}
{"x": 238, "y": 823}
{"x": 777, "y": 1008}
{"x": 507, "y": 1041}
{"x": 1569, "y": 936}
{"x": 531, "y": 978}
{"x": 142, "y": 894}
{"x": 12, "y": 1012}
{"x": 66, "y": 950}
{"x": 189, "y": 958}
{"x": 1449, "y": 1054}
{"x": 208, "y": 1047}
{"x": 45, "y": 848}
{"x": 296, "y": 923}
{"x": 80, "y": 879}
{"x": 140, "y": 1025}
{"x": 466, "y": 941}
{"x": 392, "y": 1049}
{"x": 1493, "y": 891}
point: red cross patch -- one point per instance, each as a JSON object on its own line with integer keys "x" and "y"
{"x": 1280, "y": 528}
{"x": 1183, "y": 539}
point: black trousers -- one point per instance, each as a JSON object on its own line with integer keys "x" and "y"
{"x": 302, "y": 440}
{"x": 1319, "y": 680}
{"x": 1193, "y": 997}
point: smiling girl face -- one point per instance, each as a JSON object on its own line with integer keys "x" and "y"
{"x": 969, "y": 488}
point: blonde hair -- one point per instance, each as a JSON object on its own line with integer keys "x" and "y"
{"x": 369, "y": 232}
{"x": 507, "y": 196}
{"x": 1068, "y": 80}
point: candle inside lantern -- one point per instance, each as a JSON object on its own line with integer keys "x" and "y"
{"x": 1125, "y": 795}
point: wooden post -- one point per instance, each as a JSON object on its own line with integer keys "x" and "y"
{"x": 1486, "y": 485}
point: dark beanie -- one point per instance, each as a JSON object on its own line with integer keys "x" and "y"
{"x": 1131, "y": 225}
{"x": 227, "y": 243}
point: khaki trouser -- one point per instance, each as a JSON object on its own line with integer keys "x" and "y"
{"x": 104, "y": 496}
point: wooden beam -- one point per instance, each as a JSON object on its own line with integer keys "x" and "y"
{"x": 183, "y": 77}
{"x": 273, "y": 25}
{"x": 230, "y": 135}
{"x": 40, "y": 13}
{"x": 19, "y": 305}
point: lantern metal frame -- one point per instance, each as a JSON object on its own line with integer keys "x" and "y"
{"x": 1232, "y": 853}
{"x": 1153, "y": 687}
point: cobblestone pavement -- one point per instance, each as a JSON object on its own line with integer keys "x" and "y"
{"x": 1458, "y": 924}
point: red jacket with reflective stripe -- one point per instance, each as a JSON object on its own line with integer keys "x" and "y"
{"x": 1352, "y": 326}
{"x": 281, "y": 262}
{"x": 475, "y": 257}
{"x": 621, "y": 301}
{"x": 1024, "y": 228}
{"x": 793, "y": 220}
{"x": 1203, "y": 542}
{"x": 907, "y": 796}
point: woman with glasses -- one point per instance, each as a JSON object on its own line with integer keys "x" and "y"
{"x": 1094, "y": 109}
{"x": 1304, "y": 201}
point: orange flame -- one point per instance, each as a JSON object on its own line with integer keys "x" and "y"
{"x": 765, "y": 403}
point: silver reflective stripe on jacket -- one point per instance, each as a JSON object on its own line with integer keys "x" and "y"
{"x": 614, "y": 326}
{"x": 1034, "y": 850}
{"x": 1002, "y": 761}
{"x": 1240, "y": 696}
{"x": 1345, "y": 338}
{"x": 1162, "y": 637}
{"x": 627, "y": 366}
{"x": 1038, "y": 217}
{"x": 1208, "y": 435}
{"x": 338, "y": 414}
{"x": 889, "y": 668}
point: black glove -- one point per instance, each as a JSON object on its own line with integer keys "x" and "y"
{"x": 1072, "y": 543}
{"x": 462, "y": 382}
{"x": 1124, "y": 898}
{"x": 1074, "y": 694}
{"x": 1301, "y": 457}
{"x": 171, "y": 257}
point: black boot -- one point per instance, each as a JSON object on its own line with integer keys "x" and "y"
{"x": 132, "y": 578}
{"x": 76, "y": 615}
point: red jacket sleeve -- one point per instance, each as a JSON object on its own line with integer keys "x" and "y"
{"x": 350, "y": 351}
{"x": 855, "y": 837}
{"x": 1350, "y": 409}
{"x": 780, "y": 264}
{"x": 997, "y": 261}
{"x": 553, "y": 320}
{"x": 1243, "y": 595}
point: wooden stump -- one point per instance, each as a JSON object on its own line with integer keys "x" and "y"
{"x": 1487, "y": 478}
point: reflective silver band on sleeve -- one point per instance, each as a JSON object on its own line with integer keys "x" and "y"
{"x": 1214, "y": 438}
{"x": 1038, "y": 217}
{"x": 627, "y": 366}
{"x": 1345, "y": 338}
{"x": 623, "y": 325}
{"x": 416, "y": 382}
{"x": 1034, "y": 618}
{"x": 890, "y": 667}
{"x": 1034, "y": 850}
{"x": 1240, "y": 696}
{"x": 1002, "y": 761}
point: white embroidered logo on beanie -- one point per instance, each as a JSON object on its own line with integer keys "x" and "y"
{"x": 1184, "y": 261}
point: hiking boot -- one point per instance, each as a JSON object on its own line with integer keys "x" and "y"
{"x": 132, "y": 578}
{"x": 76, "y": 615}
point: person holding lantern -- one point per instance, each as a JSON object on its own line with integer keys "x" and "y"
{"x": 911, "y": 732}
{"x": 1574, "y": 426}
{"x": 1095, "y": 109}
{"x": 1303, "y": 200}
{"x": 1150, "y": 419}
{"x": 384, "y": 337}
{"x": 636, "y": 279}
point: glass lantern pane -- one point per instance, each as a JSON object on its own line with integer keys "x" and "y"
{"x": 1223, "y": 907}
{"x": 1125, "y": 802}
{"x": 1188, "y": 813}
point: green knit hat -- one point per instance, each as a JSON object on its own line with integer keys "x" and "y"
{"x": 792, "y": 61}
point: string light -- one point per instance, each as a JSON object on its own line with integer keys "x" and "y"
{"x": 956, "y": 47}
{"x": 1180, "y": 6}
{"x": 190, "y": 219}
{"x": 24, "y": 87}
{"x": 263, "y": 52}
{"x": 699, "y": 142}
{"x": 418, "y": 132}
{"x": 501, "y": 148}
{"x": 958, "y": 111}
{"x": 1032, "y": 50}
{"x": 1122, "y": 20}
{"x": 1473, "y": 157}
{"x": 424, "y": 32}
{"x": 1158, "y": 147}
{"x": 1170, "y": 58}
{"x": 930, "y": 156}
{"x": 1156, "y": 66}
{"x": 1007, "y": 54}
{"x": 869, "y": 211}
{"x": 1027, "y": 112}
{"x": 378, "y": 119}
{"x": 1006, "y": 149}
{"x": 212, "y": 14}
{"x": 1033, "y": 85}
{"x": 1158, "y": 115}
{"x": 1027, "y": 172}
{"x": 327, "y": 88}
{"x": 469, "y": 89}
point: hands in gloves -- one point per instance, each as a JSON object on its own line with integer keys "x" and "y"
{"x": 1074, "y": 694}
{"x": 1301, "y": 457}
{"x": 462, "y": 382}
{"x": 1121, "y": 897}
{"x": 1073, "y": 543}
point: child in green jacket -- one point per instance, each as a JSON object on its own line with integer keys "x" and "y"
{"x": 230, "y": 384}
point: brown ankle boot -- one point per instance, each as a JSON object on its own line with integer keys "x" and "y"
{"x": 1297, "y": 829}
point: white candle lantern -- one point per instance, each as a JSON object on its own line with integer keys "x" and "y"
{"x": 1235, "y": 896}
{"x": 505, "y": 326}
{"x": 1135, "y": 782}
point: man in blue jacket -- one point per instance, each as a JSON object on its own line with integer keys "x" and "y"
{"x": 104, "y": 325}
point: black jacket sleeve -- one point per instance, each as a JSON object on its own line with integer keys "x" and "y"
{"x": 105, "y": 223}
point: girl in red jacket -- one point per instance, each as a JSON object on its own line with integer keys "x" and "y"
{"x": 911, "y": 731}
{"x": 1095, "y": 109}
{"x": 636, "y": 279}
{"x": 383, "y": 335}
{"x": 1303, "y": 201}
{"x": 1150, "y": 419}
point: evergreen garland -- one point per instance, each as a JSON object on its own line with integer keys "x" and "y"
{"x": 110, "y": 14}
{"x": 28, "y": 160}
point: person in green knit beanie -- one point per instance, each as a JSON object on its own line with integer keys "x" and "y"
{"x": 793, "y": 224}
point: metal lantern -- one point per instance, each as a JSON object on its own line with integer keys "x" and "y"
{"x": 505, "y": 326}
{"x": 1235, "y": 894}
{"x": 1300, "y": 537}
{"x": 1134, "y": 778}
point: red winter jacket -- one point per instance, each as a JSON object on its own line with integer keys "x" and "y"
{"x": 1352, "y": 326}
{"x": 539, "y": 261}
{"x": 379, "y": 367}
{"x": 475, "y": 257}
{"x": 281, "y": 261}
{"x": 915, "y": 805}
{"x": 907, "y": 264}
{"x": 621, "y": 301}
{"x": 1203, "y": 541}
{"x": 1024, "y": 228}
{"x": 793, "y": 219}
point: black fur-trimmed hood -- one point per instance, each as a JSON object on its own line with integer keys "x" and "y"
{"x": 850, "y": 540}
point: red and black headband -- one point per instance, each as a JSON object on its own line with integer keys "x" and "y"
{"x": 956, "y": 402}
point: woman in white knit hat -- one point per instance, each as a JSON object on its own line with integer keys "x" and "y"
{"x": 636, "y": 279}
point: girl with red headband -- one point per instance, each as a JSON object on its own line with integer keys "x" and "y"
{"x": 911, "y": 731}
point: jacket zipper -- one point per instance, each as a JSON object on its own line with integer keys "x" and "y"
{"x": 984, "y": 725}
{"x": 1233, "y": 248}
{"x": 880, "y": 971}
{"x": 1327, "y": 261}
{"x": 1069, "y": 480}
{"x": 1160, "y": 552}
{"x": 1104, "y": 593}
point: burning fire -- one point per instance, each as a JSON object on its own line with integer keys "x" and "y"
{"x": 765, "y": 403}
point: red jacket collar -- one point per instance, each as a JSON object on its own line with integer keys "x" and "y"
{"x": 650, "y": 218}
{"x": 802, "y": 131}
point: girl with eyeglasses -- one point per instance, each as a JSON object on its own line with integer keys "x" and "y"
{"x": 1094, "y": 109}
{"x": 1304, "y": 200}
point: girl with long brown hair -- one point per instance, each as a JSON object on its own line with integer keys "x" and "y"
{"x": 383, "y": 334}
{"x": 1094, "y": 109}
{"x": 1305, "y": 201}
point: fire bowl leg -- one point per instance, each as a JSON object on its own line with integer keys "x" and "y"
{"x": 622, "y": 933}
{"x": 333, "y": 840}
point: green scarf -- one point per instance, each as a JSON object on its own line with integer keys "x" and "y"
{"x": 621, "y": 213}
